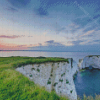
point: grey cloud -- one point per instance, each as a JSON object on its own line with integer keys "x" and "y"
{"x": 53, "y": 43}
{"x": 10, "y": 37}
{"x": 41, "y": 11}
{"x": 77, "y": 42}
{"x": 12, "y": 9}
{"x": 96, "y": 16}
{"x": 19, "y": 3}
{"x": 97, "y": 41}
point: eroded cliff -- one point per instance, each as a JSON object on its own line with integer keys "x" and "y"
{"x": 53, "y": 76}
{"x": 91, "y": 61}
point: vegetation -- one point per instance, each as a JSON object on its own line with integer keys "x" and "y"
{"x": 60, "y": 80}
{"x": 38, "y": 70}
{"x": 15, "y": 86}
{"x": 67, "y": 81}
{"x": 71, "y": 91}
{"x": 76, "y": 74}
{"x": 62, "y": 74}
{"x": 93, "y": 56}
{"x": 55, "y": 84}
{"x": 30, "y": 75}
{"x": 97, "y": 97}
{"x": 49, "y": 81}
{"x": 82, "y": 70}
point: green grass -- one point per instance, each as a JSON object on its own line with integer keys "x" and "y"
{"x": 15, "y": 86}
{"x": 20, "y": 61}
{"x": 82, "y": 70}
{"x": 97, "y": 97}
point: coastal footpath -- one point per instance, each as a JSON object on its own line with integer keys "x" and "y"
{"x": 54, "y": 76}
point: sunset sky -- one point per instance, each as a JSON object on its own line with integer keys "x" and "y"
{"x": 55, "y": 25}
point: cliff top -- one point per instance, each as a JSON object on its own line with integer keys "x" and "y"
{"x": 93, "y": 56}
{"x": 20, "y": 61}
{"x": 13, "y": 83}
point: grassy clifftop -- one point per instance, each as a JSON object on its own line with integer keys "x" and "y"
{"x": 19, "y": 61}
{"x": 15, "y": 86}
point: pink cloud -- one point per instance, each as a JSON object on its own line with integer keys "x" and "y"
{"x": 12, "y": 47}
{"x": 10, "y": 37}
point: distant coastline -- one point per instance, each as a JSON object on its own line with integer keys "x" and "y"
{"x": 49, "y": 51}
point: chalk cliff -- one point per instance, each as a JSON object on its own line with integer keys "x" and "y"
{"x": 91, "y": 61}
{"x": 53, "y": 76}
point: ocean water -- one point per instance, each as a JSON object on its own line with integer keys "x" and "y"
{"x": 88, "y": 83}
{"x": 75, "y": 55}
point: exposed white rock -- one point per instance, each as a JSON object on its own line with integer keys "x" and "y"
{"x": 53, "y": 76}
{"x": 74, "y": 67}
{"x": 90, "y": 61}
{"x": 80, "y": 63}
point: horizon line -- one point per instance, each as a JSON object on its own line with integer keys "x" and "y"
{"x": 49, "y": 50}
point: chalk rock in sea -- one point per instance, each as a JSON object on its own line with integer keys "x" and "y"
{"x": 91, "y": 61}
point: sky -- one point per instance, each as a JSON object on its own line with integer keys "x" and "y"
{"x": 54, "y": 25}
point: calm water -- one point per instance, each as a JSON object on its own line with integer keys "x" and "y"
{"x": 88, "y": 83}
{"x": 75, "y": 55}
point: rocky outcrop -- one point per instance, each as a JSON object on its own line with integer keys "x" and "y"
{"x": 53, "y": 76}
{"x": 74, "y": 67}
{"x": 92, "y": 61}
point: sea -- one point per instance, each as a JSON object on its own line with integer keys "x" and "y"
{"x": 75, "y": 55}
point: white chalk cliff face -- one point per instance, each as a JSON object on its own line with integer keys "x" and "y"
{"x": 53, "y": 76}
{"x": 92, "y": 61}
{"x": 59, "y": 76}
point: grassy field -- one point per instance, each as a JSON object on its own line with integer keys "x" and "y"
{"x": 15, "y": 86}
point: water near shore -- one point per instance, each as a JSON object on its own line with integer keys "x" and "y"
{"x": 88, "y": 82}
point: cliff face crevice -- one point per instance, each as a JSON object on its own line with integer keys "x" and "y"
{"x": 53, "y": 76}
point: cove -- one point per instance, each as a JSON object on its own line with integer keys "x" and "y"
{"x": 87, "y": 82}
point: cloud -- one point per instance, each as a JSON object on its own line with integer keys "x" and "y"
{"x": 73, "y": 28}
{"x": 41, "y": 11}
{"x": 50, "y": 3}
{"x": 12, "y": 9}
{"x": 55, "y": 15}
{"x": 82, "y": 21}
{"x": 87, "y": 33}
{"x": 53, "y": 43}
{"x": 96, "y": 16}
{"x": 97, "y": 41}
{"x": 19, "y": 3}
{"x": 89, "y": 28}
{"x": 6, "y": 46}
{"x": 58, "y": 28}
{"x": 49, "y": 42}
{"x": 77, "y": 42}
{"x": 49, "y": 45}
{"x": 98, "y": 7}
{"x": 10, "y": 37}
{"x": 37, "y": 6}
{"x": 62, "y": 48}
